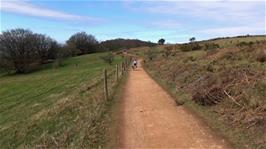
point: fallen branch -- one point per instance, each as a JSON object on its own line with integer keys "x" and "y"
{"x": 233, "y": 99}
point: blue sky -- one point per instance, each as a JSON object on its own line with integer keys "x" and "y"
{"x": 176, "y": 21}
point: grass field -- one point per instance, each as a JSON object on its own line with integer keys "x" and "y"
{"x": 46, "y": 107}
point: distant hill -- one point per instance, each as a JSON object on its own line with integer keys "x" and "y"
{"x": 118, "y": 44}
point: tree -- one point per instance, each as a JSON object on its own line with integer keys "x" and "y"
{"x": 21, "y": 48}
{"x": 119, "y": 44}
{"x": 82, "y": 43}
{"x": 59, "y": 55}
{"x": 161, "y": 41}
{"x": 46, "y": 47}
{"x": 192, "y": 39}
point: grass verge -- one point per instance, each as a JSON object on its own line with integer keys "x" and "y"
{"x": 114, "y": 115}
{"x": 236, "y": 138}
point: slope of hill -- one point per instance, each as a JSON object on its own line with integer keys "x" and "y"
{"x": 119, "y": 44}
{"x": 55, "y": 107}
{"x": 226, "y": 86}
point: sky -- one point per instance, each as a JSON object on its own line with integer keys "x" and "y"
{"x": 175, "y": 21}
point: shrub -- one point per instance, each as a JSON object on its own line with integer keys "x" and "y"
{"x": 244, "y": 44}
{"x": 211, "y": 46}
{"x": 185, "y": 47}
{"x": 209, "y": 96}
{"x": 261, "y": 56}
{"x": 190, "y": 47}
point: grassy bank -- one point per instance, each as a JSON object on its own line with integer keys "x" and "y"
{"x": 115, "y": 115}
{"x": 56, "y": 108}
{"x": 225, "y": 86}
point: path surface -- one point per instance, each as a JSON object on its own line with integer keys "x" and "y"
{"x": 152, "y": 120}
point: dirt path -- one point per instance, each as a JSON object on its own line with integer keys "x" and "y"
{"x": 152, "y": 120}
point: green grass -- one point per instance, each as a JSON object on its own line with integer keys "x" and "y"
{"x": 40, "y": 102}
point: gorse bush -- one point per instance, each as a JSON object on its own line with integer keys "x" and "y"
{"x": 211, "y": 46}
{"x": 244, "y": 44}
{"x": 261, "y": 56}
{"x": 190, "y": 46}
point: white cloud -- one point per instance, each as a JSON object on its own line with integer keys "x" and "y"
{"x": 170, "y": 24}
{"x": 26, "y": 8}
{"x": 210, "y": 10}
{"x": 234, "y": 30}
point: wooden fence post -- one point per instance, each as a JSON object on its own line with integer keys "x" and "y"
{"x": 105, "y": 84}
{"x": 126, "y": 64}
{"x": 122, "y": 68}
{"x": 116, "y": 73}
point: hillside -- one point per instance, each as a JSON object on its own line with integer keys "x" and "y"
{"x": 230, "y": 41}
{"x": 119, "y": 44}
{"x": 225, "y": 85}
{"x": 56, "y": 107}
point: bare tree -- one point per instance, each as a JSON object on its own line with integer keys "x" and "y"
{"x": 21, "y": 48}
{"x": 45, "y": 47}
{"x": 82, "y": 43}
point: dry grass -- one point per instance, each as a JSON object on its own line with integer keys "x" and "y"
{"x": 228, "y": 84}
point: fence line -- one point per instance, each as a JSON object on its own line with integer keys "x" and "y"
{"x": 124, "y": 67}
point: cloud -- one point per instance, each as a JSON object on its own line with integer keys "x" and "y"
{"x": 211, "y": 10}
{"x": 170, "y": 24}
{"x": 234, "y": 30}
{"x": 26, "y": 8}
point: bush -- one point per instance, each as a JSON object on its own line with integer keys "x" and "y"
{"x": 244, "y": 44}
{"x": 211, "y": 46}
{"x": 190, "y": 47}
{"x": 209, "y": 96}
{"x": 108, "y": 58}
{"x": 261, "y": 56}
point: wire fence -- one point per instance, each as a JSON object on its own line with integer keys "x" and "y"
{"x": 87, "y": 107}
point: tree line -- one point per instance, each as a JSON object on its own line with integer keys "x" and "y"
{"x": 120, "y": 44}
{"x": 22, "y": 50}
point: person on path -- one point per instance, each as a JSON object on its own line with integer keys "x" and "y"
{"x": 135, "y": 63}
